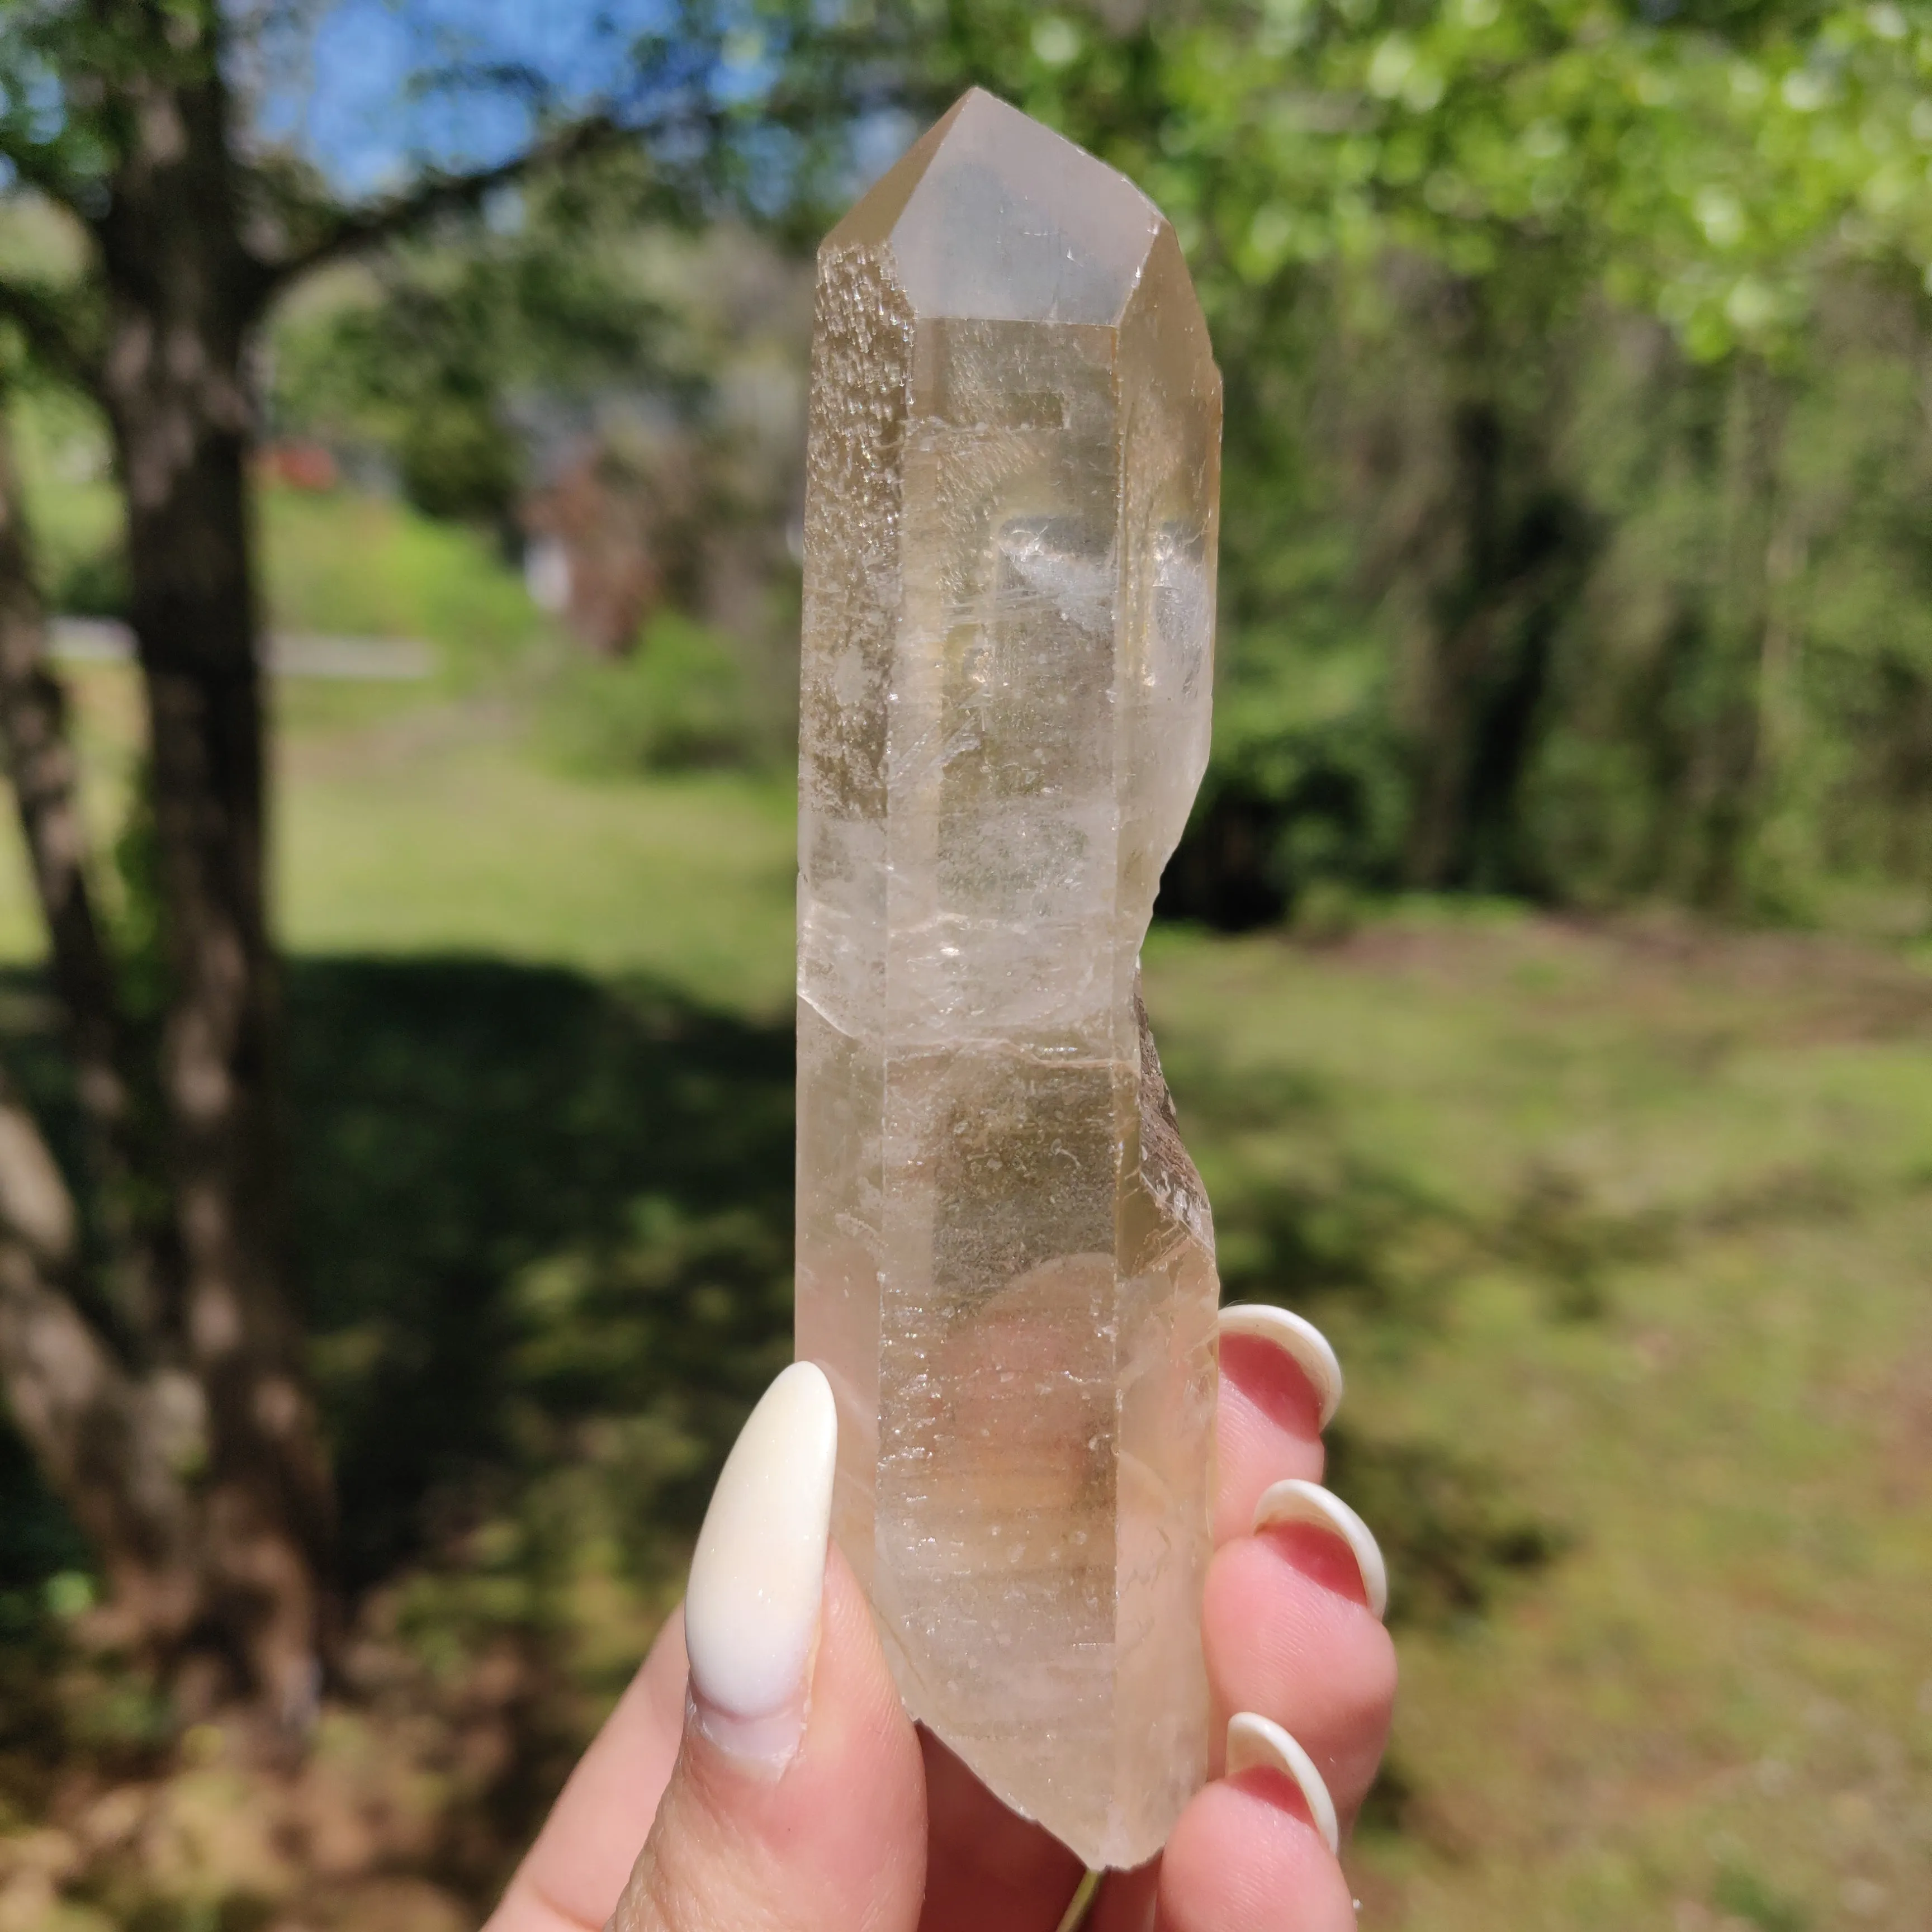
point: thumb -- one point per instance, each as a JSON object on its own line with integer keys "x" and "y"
{"x": 798, "y": 1800}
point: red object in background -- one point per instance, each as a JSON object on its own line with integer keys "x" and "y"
{"x": 300, "y": 465}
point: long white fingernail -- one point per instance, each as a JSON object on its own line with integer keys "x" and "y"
{"x": 1256, "y": 1743}
{"x": 1296, "y": 1337}
{"x": 757, "y": 1580}
{"x": 1295, "y": 1501}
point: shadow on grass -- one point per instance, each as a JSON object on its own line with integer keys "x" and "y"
{"x": 1303, "y": 1221}
{"x": 545, "y": 1222}
{"x": 544, "y": 1228}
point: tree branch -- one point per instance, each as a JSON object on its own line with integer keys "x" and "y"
{"x": 36, "y": 1209}
{"x": 347, "y": 231}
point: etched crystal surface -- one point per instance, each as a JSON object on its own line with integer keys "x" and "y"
{"x": 1005, "y": 1259}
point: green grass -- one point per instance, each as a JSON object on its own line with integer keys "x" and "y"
{"x": 1623, "y": 1233}
{"x": 411, "y": 819}
{"x": 74, "y": 511}
{"x": 351, "y": 565}
{"x": 441, "y": 835}
{"x": 1635, "y": 1224}
{"x": 337, "y": 562}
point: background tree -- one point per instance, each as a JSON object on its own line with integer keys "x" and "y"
{"x": 1444, "y": 250}
{"x": 170, "y": 1406}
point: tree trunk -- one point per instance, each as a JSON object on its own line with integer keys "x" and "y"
{"x": 1498, "y": 549}
{"x": 1728, "y": 779}
{"x": 159, "y": 334}
{"x": 116, "y": 1448}
{"x": 1461, "y": 622}
{"x": 41, "y": 765}
{"x": 1506, "y": 550}
{"x": 125, "y": 1419}
{"x": 115, "y": 1431}
{"x": 183, "y": 296}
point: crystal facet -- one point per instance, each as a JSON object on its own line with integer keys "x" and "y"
{"x": 1005, "y": 1259}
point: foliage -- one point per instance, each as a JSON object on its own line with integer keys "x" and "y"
{"x": 677, "y": 701}
{"x": 427, "y": 354}
{"x": 1561, "y": 510}
{"x": 347, "y": 564}
{"x": 1710, "y": 163}
{"x": 1575, "y": 547}
{"x": 1492, "y": 283}
{"x": 148, "y": 137}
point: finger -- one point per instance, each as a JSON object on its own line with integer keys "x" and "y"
{"x": 1248, "y": 1856}
{"x": 1327, "y": 1540}
{"x": 1132, "y": 1899}
{"x": 574, "y": 1872}
{"x": 986, "y": 1865}
{"x": 1289, "y": 1633}
{"x": 798, "y": 1798}
{"x": 1280, "y": 1384}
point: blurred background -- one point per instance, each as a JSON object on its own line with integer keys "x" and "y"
{"x": 1543, "y": 981}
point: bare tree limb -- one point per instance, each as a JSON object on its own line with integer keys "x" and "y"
{"x": 347, "y": 231}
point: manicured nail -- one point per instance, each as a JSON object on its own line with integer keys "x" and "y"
{"x": 757, "y": 1580}
{"x": 1295, "y": 1501}
{"x": 1258, "y": 1744}
{"x": 1300, "y": 1340}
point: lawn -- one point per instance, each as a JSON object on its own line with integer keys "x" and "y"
{"x": 1628, "y": 1230}
{"x": 1623, "y": 1231}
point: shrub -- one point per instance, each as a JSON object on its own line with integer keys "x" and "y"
{"x": 680, "y": 700}
{"x": 458, "y": 461}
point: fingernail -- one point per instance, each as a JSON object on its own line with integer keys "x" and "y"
{"x": 1295, "y": 1501}
{"x": 1258, "y": 1744}
{"x": 757, "y": 1580}
{"x": 1299, "y": 1340}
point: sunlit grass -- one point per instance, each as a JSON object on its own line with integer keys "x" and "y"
{"x": 1630, "y": 1226}
{"x": 352, "y": 566}
{"x": 1714, "y": 1709}
{"x": 430, "y": 838}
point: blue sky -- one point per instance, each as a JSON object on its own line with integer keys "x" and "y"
{"x": 345, "y": 87}
{"x": 347, "y": 91}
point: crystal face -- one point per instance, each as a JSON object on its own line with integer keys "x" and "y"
{"x": 1005, "y": 1258}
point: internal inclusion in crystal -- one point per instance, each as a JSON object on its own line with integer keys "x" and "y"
{"x": 1005, "y": 1259}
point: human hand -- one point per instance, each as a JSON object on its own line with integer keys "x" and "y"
{"x": 783, "y": 1789}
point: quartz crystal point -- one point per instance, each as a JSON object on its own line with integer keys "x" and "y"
{"x": 1005, "y": 1259}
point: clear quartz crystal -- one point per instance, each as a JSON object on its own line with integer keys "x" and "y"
{"x": 1005, "y": 1258}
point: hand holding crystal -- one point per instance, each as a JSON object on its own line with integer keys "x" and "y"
{"x": 766, "y": 1752}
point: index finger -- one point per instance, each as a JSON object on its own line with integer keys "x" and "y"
{"x": 571, "y": 1878}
